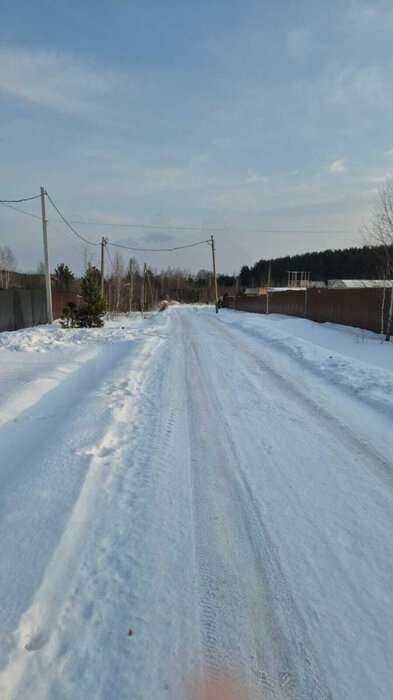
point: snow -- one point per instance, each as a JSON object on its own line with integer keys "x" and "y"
{"x": 220, "y": 485}
{"x": 358, "y": 284}
{"x": 352, "y": 358}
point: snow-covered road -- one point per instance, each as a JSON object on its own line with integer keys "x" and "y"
{"x": 219, "y": 489}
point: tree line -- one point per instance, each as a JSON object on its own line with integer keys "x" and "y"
{"x": 366, "y": 262}
{"x": 127, "y": 287}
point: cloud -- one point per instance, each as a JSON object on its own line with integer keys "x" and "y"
{"x": 377, "y": 178}
{"x": 158, "y": 237}
{"x": 169, "y": 178}
{"x": 349, "y": 85}
{"x": 253, "y": 177}
{"x": 363, "y": 14}
{"x": 371, "y": 16}
{"x": 389, "y": 152}
{"x": 191, "y": 176}
{"x": 338, "y": 166}
{"x": 57, "y": 81}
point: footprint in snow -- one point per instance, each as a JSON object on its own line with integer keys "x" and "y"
{"x": 36, "y": 642}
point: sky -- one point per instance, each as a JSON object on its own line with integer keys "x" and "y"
{"x": 264, "y": 122}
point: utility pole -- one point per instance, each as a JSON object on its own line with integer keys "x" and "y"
{"x": 150, "y": 287}
{"x": 131, "y": 294}
{"x": 269, "y": 274}
{"x": 103, "y": 244}
{"x": 49, "y": 311}
{"x": 143, "y": 288}
{"x": 214, "y": 271}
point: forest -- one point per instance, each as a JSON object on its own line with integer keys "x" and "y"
{"x": 367, "y": 262}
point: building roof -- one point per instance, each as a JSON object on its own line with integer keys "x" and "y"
{"x": 357, "y": 284}
{"x": 254, "y": 291}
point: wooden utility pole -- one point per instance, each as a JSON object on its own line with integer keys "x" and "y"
{"x": 214, "y": 271}
{"x": 49, "y": 311}
{"x": 269, "y": 274}
{"x": 131, "y": 293}
{"x": 143, "y": 288}
{"x": 150, "y": 287}
{"x": 103, "y": 244}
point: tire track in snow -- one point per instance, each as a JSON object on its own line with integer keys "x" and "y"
{"x": 370, "y": 451}
{"x": 265, "y": 643}
{"x": 125, "y": 547}
{"x": 236, "y": 366}
{"x": 53, "y": 602}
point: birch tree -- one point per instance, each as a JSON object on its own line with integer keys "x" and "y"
{"x": 380, "y": 233}
{"x": 7, "y": 266}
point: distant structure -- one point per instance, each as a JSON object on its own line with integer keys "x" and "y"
{"x": 318, "y": 284}
{"x": 254, "y": 291}
{"x": 298, "y": 278}
{"x": 358, "y": 284}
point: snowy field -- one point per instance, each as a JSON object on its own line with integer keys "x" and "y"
{"x": 189, "y": 494}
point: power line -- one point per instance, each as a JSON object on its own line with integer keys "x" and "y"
{"x": 228, "y": 229}
{"x": 110, "y": 259}
{"x": 150, "y": 226}
{"x": 68, "y": 224}
{"x": 74, "y": 244}
{"x": 35, "y": 216}
{"x": 5, "y": 202}
{"x": 15, "y": 201}
{"x": 157, "y": 250}
{"x": 117, "y": 245}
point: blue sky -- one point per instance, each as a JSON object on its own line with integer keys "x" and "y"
{"x": 243, "y": 116}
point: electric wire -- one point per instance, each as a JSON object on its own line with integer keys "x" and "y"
{"x": 35, "y": 216}
{"x": 158, "y": 250}
{"x": 110, "y": 259}
{"x": 67, "y": 223}
{"x": 117, "y": 245}
{"x": 228, "y": 229}
{"x": 62, "y": 235}
{"x": 15, "y": 201}
{"x": 67, "y": 238}
{"x": 7, "y": 203}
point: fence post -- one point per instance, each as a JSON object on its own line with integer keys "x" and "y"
{"x": 390, "y": 316}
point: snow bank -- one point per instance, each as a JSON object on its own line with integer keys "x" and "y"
{"x": 47, "y": 338}
{"x": 351, "y": 358}
{"x": 33, "y": 361}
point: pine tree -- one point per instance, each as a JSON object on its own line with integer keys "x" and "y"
{"x": 91, "y": 313}
{"x": 64, "y": 278}
{"x": 70, "y": 316}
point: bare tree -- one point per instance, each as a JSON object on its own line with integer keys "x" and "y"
{"x": 118, "y": 274}
{"x": 380, "y": 229}
{"x": 7, "y": 266}
{"x": 88, "y": 256}
{"x": 380, "y": 234}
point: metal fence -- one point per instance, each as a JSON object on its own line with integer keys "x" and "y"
{"x": 360, "y": 308}
{"x": 23, "y": 308}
